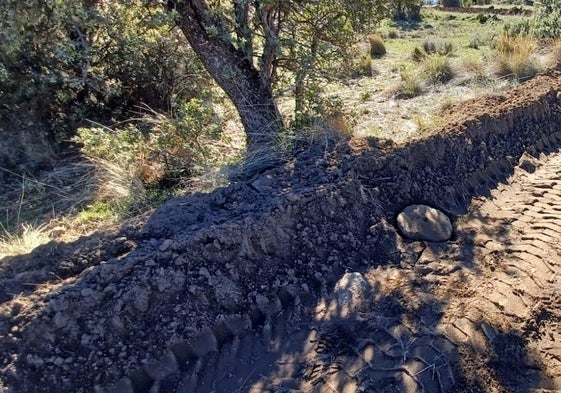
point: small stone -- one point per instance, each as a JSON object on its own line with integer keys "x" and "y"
{"x": 421, "y": 222}
{"x": 167, "y": 365}
{"x": 228, "y": 294}
{"x": 203, "y": 271}
{"x": 141, "y": 301}
{"x": 166, "y": 244}
{"x": 349, "y": 293}
{"x": 262, "y": 183}
{"x": 60, "y": 320}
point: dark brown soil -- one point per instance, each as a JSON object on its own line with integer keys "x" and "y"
{"x": 233, "y": 291}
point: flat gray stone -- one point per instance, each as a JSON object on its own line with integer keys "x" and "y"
{"x": 421, "y": 222}
{"x": 350, "y": 292}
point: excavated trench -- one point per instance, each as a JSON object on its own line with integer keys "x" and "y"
{"x": 299, "y": 281}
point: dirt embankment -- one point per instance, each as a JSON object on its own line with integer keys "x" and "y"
{"x": 143, "y": 305}
{"x": 488, "y": 10}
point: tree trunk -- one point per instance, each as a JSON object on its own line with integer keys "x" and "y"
{"x": 233, "y": 72}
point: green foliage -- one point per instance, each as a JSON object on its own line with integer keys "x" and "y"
{"x": 433, "y": 47}
{"x": 393, "y": 34}
{"x": 451, "y": 3}
{"x": 364, "y": 66}
{"x": 546, "y": 21}
{"x": 62, "y": 62}
{"x": 474, "y": 43}
{"x": 418, "y": 55}
{"x": 407, "y": 9}
{"x": 429, "y": 48}
{"x": 317, "y": 46}
{"x": 158, "y": 147}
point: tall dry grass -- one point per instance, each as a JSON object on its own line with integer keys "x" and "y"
{"x": 515, "y": 57}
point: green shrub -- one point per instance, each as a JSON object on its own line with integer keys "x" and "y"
{"x": 67, "y": 61}
{"x": 556, "y": 52}
{"x": 546, "y": 21}
{"x": 377, "y": 47}
{"x": 158, "y": 147}
{"x": 474, "y": 43}
{"x": 446, "y": 49}
{"x": 393, "y": 34}
{"x": 482, "y": 18}
{"x": 429, "y": 46}
{"x": 475, "y": 65}
{"x": 443, "y": 48}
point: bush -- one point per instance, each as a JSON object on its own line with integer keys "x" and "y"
{"x": 476, "y": 66}
{"x": 443, "y": 48}
{"x": 429, "y": 47}
{"x": 437, "y": 69}
{"x": 377, "y": 47}
{"x": 158, "y": 147}
{"x": 64, "y": 62}
{"x": 546, "y": 21}
{"x": 474, "y": 43}
{"x": 556, "y": 52}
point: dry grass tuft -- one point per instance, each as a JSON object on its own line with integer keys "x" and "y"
{"x": 410, "y": 85}
{"x": 28, "y": 238}
{"x": 556, "y": 53}
{"x": 515, "y": 57}
{"x": 437, "y": 69}
{"x": 364, "y": 66}
{"x": 377, "y": 47}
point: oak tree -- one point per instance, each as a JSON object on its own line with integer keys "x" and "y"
{"x": 250, "y": 47}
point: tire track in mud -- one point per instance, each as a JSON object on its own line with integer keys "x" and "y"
{"x": 419, "y": 326}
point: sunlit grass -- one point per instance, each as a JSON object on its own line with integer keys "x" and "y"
{"x": 24, "y": 241}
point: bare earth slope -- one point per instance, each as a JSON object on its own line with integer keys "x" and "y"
{"x": 234, "y": 291}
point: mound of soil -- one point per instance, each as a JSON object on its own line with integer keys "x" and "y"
{"x": 488, "y": 10}
{"x": 156, "y": 308}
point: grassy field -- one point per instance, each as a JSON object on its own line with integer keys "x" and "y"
{"x": 431, "y": 65}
